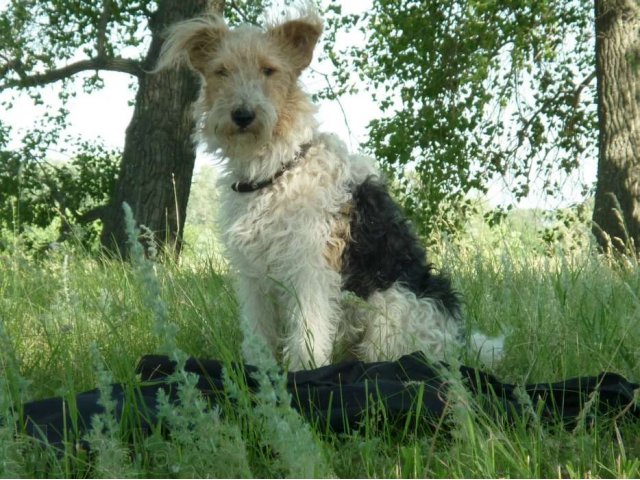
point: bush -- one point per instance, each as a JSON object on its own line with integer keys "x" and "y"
{"x": 48, "y": 201}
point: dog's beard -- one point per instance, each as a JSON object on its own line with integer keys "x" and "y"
{"x": 235, "y": 143}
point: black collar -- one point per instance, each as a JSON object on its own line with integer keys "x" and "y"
{"x": 246, "y": 187}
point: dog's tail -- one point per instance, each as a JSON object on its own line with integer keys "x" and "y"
{"x": 488, "y": 350}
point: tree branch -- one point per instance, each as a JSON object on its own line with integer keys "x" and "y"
{"x": 96, "y": 213}
{"x": 337, "y": 100}
{"x": 115, "y": 64}
{"x": 575, "y": 95}
{"x": 584, "y": 84}
{"x": 240, "y": 13}
{"x": 8, "y": 65}
{"x": 101, "y": 40}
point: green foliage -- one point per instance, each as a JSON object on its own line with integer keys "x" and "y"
{"x": 40, "y": 194}
{"x": 104, "y": 437}
{"x": 547, "y": 233}
{"x": 201, "y": 444}
{"x": 562, "y": 225}
{"x": 71, "y": 323}
{"x": 474, "y": 89}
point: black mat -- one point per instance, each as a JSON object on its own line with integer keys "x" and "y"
{"x": 337, "y": 397}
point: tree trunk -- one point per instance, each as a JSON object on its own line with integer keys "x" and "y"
{"x": 616, "y": 213}
{"x": 159, "y": 154}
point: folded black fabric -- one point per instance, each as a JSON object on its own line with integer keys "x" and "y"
{"x": 338, "y": 397}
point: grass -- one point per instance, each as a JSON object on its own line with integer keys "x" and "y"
{"x": 70, "y": 323}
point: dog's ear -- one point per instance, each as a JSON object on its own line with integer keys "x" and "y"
{"x": 193, "y": 42}
{"x": 298, "y": 38}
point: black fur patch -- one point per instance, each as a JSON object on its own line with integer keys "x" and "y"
{"x": 384, "y": 250}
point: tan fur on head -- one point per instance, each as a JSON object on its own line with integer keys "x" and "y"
{"x": 298, "y": 38}
{"x": 193, "y": 42}
{"x": 251, "y": 70}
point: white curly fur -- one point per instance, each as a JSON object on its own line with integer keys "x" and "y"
{"x": 276, "y": 238}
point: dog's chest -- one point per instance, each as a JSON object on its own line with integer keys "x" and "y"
{"x": 271, "y": 232}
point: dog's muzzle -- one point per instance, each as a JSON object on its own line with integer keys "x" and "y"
{"x": 243, "y": 117}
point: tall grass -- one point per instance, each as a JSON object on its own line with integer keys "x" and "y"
{"x": 70, "y": 322}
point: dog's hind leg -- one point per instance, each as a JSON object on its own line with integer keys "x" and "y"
{"x": 397, "y": 323}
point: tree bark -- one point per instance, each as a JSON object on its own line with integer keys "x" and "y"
{"x": 159, "y": 154}
{"x": 616, "y": 213}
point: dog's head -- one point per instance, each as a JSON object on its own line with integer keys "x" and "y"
{"x": 250, "y": 91}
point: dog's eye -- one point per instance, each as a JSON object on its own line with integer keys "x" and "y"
{"x": 268, "y": 71}
{"x": 221, "y": 72}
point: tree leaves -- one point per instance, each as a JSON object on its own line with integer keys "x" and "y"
{"x": 34, "y": 193}
{"x": 472, "y": 89}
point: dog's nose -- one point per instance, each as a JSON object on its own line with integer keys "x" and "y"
{"x": 243, "y": 116}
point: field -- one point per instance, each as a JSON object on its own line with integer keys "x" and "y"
{"x": 70, "y": 322}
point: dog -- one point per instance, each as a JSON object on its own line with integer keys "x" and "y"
{"x": 328, "y": 267}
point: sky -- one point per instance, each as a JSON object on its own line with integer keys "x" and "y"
{"x": 106, "y": 113}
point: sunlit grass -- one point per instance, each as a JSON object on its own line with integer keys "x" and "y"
{"x": 70, "y": 322}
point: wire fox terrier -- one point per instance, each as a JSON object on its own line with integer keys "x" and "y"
{"x": 327, "y": 266}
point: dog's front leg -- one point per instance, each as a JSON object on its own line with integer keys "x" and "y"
{"x": 258, "y": 306}
{"x": 312, "y": 313}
